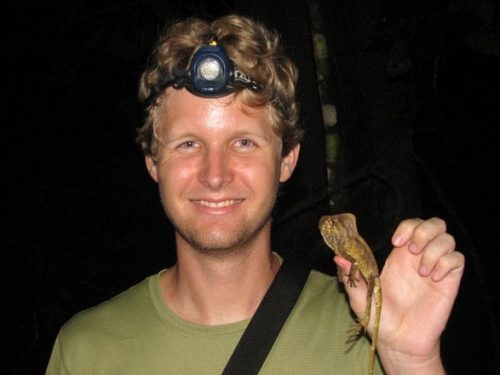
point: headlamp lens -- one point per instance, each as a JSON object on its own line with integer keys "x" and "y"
{"x": 210, "y": 70}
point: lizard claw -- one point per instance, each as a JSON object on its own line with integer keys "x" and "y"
{"x": 352, "y": 281}
{"x": 357, "y": 329}
{"x": 355, "y": 332}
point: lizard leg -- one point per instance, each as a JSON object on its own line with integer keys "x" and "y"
{"x": 362, "y": 324}
{"x": 340, "y": 274}
{"x": 352, "y": 275}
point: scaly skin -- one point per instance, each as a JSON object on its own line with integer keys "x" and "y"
{"x": 341, "y": 235}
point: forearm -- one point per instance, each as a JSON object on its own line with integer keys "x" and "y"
{"x": 399, "y": 363}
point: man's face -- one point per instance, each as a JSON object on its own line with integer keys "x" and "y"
{"x": 218, "y": 169}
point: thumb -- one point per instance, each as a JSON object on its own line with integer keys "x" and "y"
{"x": 355, "y": 285}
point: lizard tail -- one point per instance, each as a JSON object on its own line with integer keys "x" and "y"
{"x": 377, "y": 294}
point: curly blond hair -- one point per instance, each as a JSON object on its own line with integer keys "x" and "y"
{"x": 254, "y": 49}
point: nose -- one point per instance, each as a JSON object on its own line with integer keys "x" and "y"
{"x": 216, "y": 170}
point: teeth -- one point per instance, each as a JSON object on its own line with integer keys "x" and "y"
{"x": 218, "y": 204}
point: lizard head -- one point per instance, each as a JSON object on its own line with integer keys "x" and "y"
{"x": 337, "y": 228}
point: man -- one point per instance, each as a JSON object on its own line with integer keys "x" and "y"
{"x": 220, "y": 137}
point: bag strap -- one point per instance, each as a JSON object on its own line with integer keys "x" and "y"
{"x": 262, "y": 330}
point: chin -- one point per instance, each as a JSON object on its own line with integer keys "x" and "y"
{"x": 222, "y": 242}
{"x": 217, "y": 244}
{"x": 226, "y": 236}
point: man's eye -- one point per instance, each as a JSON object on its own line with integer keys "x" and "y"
{"x": 245, "y": 143}
{"x": 189, "y": 146}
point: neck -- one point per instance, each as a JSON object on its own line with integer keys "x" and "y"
{"x": 211, "y": 290}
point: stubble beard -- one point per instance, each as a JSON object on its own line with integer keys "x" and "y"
{"x": 220, "y": 242}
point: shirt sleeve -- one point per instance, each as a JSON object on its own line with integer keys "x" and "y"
{"x": 56, "y": 365}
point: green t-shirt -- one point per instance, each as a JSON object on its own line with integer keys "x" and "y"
{"x": 136, "y": 333}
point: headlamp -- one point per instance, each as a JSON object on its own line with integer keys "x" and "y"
{"x": 210, "y": 74}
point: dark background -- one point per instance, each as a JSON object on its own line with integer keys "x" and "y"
{"x": 417, "y": 95}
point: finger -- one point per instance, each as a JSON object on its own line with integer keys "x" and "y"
{"x": 451, "y": 264}
{"x": 357, "y": 294}
{"x": 416, "y": 233}
{"x": 426, "y": 232}
{"x": 433, "y": 251}
{"x": 344, "y": 264}
{"x": 404, "y": 231}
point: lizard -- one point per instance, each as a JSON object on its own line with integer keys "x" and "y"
{"x": 341, "y": 235}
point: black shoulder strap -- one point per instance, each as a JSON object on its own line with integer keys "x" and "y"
{"x": 264, "y": 327}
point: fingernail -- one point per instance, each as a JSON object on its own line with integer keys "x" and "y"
{"x": 423, "y": 270}
{"x": 413, "y": 248}
{"x": 397, "y": 240}
{"x": 436, "y": 276}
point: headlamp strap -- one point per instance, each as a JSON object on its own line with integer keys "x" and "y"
{"x": 243, "y": 78}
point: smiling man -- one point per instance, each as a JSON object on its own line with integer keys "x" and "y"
{"x": 220, "y": 137}
{"x": 226, "y": 161}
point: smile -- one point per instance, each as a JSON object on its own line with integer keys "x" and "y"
{"x": 220, "y": 204}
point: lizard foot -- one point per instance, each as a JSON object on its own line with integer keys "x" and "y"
{"x": 352, "y": 281}
{"x": 356, "y": 331}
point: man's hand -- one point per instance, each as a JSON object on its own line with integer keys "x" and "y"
{"x": 420, "y": 281}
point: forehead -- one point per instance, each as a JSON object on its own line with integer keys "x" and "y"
{"x": 180, "y": 107}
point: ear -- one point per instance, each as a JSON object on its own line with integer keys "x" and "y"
{"x": 152, "y": 167}
{"x": 288, "y": 163}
